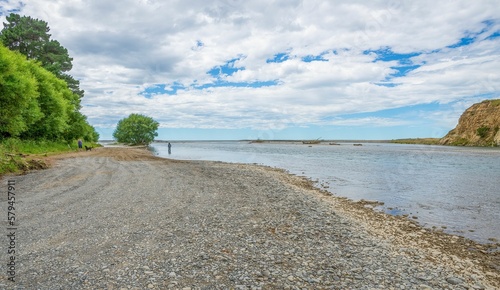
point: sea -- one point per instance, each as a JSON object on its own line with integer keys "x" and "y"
{"x": 456, "y": 189}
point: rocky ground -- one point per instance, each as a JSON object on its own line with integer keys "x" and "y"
{"x": 119, "y": 218}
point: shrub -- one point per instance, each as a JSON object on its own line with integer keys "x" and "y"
{"x": 482, "y": 131}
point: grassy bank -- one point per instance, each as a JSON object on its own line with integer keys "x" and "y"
{"x": 21, "y": 155}
{"x": 422, "y": 141}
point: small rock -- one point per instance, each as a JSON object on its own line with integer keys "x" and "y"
{"x": 454, "y": 280}
{"x": 478, "y": 287}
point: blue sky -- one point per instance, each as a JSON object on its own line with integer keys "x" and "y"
{"x": 234, "y": 69}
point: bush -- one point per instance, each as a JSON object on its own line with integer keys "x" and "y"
{"x": 482, "y": 131}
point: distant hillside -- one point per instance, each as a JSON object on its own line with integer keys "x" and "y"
{"x": 478, "y": 126}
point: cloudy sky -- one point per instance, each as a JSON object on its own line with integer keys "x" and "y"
{"x": 289, "y": 69}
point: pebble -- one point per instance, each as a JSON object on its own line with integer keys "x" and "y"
{"x": 454, "y": 280}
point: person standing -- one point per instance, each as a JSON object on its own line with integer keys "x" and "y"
{"x": 169, "y": 148}
{"x": 80, "y": 144}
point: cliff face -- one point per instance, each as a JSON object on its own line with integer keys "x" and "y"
{"x": 478, "y": 126}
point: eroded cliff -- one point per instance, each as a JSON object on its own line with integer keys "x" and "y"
{"x": 478, "y": 126}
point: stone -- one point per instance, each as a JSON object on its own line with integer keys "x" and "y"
{"x": 454, "y": 280}
{"x": 478, "y": 287}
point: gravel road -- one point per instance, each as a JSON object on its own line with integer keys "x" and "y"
{"x": 119, "y": 218}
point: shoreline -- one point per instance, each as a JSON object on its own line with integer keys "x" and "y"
{"x": 399, "y": 193}
{"x": 362, "y": 210}
{"x": 397, "y": 234}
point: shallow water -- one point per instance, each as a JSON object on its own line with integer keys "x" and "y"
{"x": 453, "y": 187}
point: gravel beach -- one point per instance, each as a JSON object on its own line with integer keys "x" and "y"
{"x": 120, "y": 218}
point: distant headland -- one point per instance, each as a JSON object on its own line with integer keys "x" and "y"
{"x": 478, "y": 126}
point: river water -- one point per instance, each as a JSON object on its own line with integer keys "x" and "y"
{"x": 454, "y": 188}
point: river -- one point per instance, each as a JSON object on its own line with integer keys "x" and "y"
{"x": 453, "y": 188}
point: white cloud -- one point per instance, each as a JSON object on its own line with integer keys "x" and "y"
{"x": 368, "y": 122}
{"x": 122, "y": 47}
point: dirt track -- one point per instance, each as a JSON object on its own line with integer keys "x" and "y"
{"x": 122, "y": 218}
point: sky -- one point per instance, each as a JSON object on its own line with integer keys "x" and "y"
{"x": 289, "y": 69}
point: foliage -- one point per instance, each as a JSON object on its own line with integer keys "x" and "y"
{"x": 136, "y": 129}
{"x": 30, "y": 37}
{"x": 16, "y": 146}
{"x": 460, "y": 142}
{"x": 39, "y": 100}
{"x": 482, "y": 131}
{"x": 74, "y": 86}
{"x": 79, "y": 128}
{"x": 36, "y": 104}
{"x": 7, "y": 164}
{"x": 53, "y": 101}
{"x": 18, "y": 94}
{"x": 13, "y": 152}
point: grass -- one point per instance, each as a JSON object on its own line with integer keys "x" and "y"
{"x": 422, "y": 141}
{"x": 7, "y": 163}
{"x": 460, "y": 142}
{"x": 14, "y": 153}
{"x": 495, "y": 102}
{"x": 36, "y": 146}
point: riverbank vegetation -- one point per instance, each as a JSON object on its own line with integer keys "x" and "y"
{"x": 40, "y": 102}
{"x": 419, "y": 141}
{"x": 18, "y": 155}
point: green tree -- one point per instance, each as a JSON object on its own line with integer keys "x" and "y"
{"x": 58, "y": 104}
{"x": 80, "y": 128}
{"x": 74, "y": 86}
{"x": 31, "y": 37}
{"x": 136, "y": 129}
{"x": 54, "y": 103}
{"x": 18, "y": 94}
